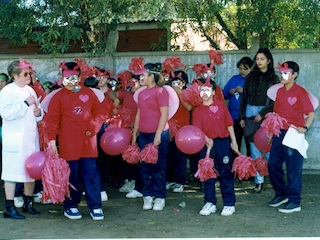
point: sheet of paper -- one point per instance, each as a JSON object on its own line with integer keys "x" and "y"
{"x": 296, "y": 140}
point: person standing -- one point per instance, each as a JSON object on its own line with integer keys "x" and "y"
{"x": 291, "y": 103}
{"x": 75, "y": 115}
{"x": 152, "y": 123}
{"x": 233, "y": 92}
{"x": 255, "y": 104}
{"x": 20, "y": 113}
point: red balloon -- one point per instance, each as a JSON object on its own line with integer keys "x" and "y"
{"x": 35, "y": 164}
{"x": 261, "y": 141}
{"x": 113, "y": 141}
{"x": 190, "y": 139}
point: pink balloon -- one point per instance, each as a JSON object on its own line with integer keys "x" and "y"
{"x": 113, "y": 141}
{"x": 261, "y": 141}
{"x": 35, "y": 164}
{"x": 190, "y": 139}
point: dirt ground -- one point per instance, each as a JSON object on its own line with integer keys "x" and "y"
{"x": 124, "y": 218}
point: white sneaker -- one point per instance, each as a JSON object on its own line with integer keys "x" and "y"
{"x": 37, "y": 197}
{"x": 126, "y": 186}
{"x": 147, "y": 203}
{"x": 97, "y": 214}
{"x": 18, "y": 202}
{"x": 178, "y": 188}
{"x": 132, "y": 185}
{"x": 170, "y": 185}
{"x": 228, "y": 210}
{"x": 134, "y": 194}
{"x": 104, "y": 196}
{"x": 159, "y": 204}
{"x": 207, "y": 209}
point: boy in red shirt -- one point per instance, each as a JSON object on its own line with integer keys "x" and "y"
{"x": 214, "y": 119}
{"x": 75, "y": 115}
{"x": 292, "y": 103}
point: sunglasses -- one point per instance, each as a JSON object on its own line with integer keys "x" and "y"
{"x": 27, "y": 74}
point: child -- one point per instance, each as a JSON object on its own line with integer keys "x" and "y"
{"x": 291, "y": 103}
{"x": 214, "y": 119}
{"x": 75, "y": 115}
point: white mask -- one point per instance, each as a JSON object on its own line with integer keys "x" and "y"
{"x": 285, "y": 75}
{"x": 205, "y": 90}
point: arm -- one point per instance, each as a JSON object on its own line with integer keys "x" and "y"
{"x": 234, "y": 145}
{"x": 309, "y": 120}
{"x": 136, "y": 127}
{"x": 162, "y": 123}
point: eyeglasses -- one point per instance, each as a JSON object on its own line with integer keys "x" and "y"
{"x": 27, "y": 74}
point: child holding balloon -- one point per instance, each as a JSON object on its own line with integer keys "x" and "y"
{"x": 214, "y": 119}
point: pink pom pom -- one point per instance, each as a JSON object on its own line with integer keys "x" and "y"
{"x": 150, "y": 154}
{"x": 272, "y": 124}
{"x": 244, "y": 167}
{"x": 262, "y": 166}
{"x": 55, "y": 178}
{"x": 131, "y": 154}
{"x": 191, "y": 95}
{"x": 174, "y": 127}
{"x": 206, "y": 169}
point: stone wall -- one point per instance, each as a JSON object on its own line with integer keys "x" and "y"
{"x": 46, "y": 67}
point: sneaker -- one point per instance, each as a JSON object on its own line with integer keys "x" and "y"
{"x": 170, "y": 185}
{"x": 134, "y": 194}
{"x": 97, "y": 214}
{"x": 290, "y": 208}
{"x": 38, "y": 198}
{"x": 228, "y": 210}
{"x": 126, "y": 186}
{"x": 104, "y": 196}
{"x": 147, "y": 203}
{"x": 258, "y": 188}
{"x": 207, "y": 209}
{"x": 73, "y": 213}
{"x": 159, "y": 204}
{"x": 277, "y": 201}
{"x": 18, "y": 202}
{"x": 178, "y": 188}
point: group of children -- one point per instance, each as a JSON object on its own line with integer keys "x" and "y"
{"x": 77, "y": 116}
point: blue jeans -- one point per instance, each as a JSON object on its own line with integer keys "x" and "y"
{"x": 294, "y": 161}
{"x": 154, "y": 175}
{"x": 252, "y": 111}
{"x": 90, "y": 178}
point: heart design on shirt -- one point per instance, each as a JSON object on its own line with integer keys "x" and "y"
{"x": 214, "y": 109}
{"x": 84, "y": 98}
{"x": 292, "y": 100}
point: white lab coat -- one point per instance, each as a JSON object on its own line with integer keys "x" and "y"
{"x": 20, "y": 136}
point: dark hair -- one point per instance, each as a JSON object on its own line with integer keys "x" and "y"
{"x": 245, "y": 61}
{"x": 155, "y": 69}
{"x": 213, "y": 83}
{"x": 91, "y": 82}
{"x": 12, "y": 68}
{"x": 184, "y": 76}
{"x": 6, "y": 77}
{"x": 72, "y": 66}
{"x": 293, "y": 65}
{"x": 255, "y": 72}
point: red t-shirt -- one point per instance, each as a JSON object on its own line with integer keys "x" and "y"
{"x": 149, "y": 102}
{"x": 213, "y": 120}
{"x": 70, "y": 116}
{"x": 182, "y": 116}
{"x": 292, "y": 104}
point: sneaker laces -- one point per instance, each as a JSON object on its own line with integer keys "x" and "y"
{"x": 97, "y": 211}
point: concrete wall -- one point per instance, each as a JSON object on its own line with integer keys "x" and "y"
{"x": 46, "y": 67}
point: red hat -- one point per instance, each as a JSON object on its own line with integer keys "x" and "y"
{"x": 283, "y": 67}
{"x": 207, "y": 83}
{"x": 24, "y": 64}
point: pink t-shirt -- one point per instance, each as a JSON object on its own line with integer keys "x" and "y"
{"x": 149, "y": 102}
{"x": 213, "y": 120}
{"x": 293, "y": 104}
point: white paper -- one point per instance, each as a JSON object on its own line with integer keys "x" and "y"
{"x": 295, "y": 140}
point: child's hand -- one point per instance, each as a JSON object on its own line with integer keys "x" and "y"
{"x": 234, "y": 146}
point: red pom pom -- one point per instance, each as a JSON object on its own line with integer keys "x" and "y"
{"x": 150, "y": 154}
{"x": 131, "y": 154}
{"x": 206, "y": 169}
{"x": 136, "y": 64}
{"x": 55, "y": 178}
{"x": 191, "y": 95}
{"x": 215, "y": 57}
{"x": 273, "y": 123}
{"x": 174, "y": 127}
{"x": 244, "y": 167}
{"x": 262, "y": 166}
{"x": 171, "y": 64}
{"x": 198, "y": 67}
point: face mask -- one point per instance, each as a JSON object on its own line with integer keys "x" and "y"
{"x": 72, "y": 79}
{"x": 210, "y": 74}
{"x": 176, "y": 84}
{"x": 205, "y": 90}
{"x": 285, "y": 75}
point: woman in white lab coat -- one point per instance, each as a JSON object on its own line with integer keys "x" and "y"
{"x": 20, "y": 113}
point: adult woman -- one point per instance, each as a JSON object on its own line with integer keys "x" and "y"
{"x": 152, "y": 123}
{"x": 254, "y": 103}
{"x": 20, "y": 113}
